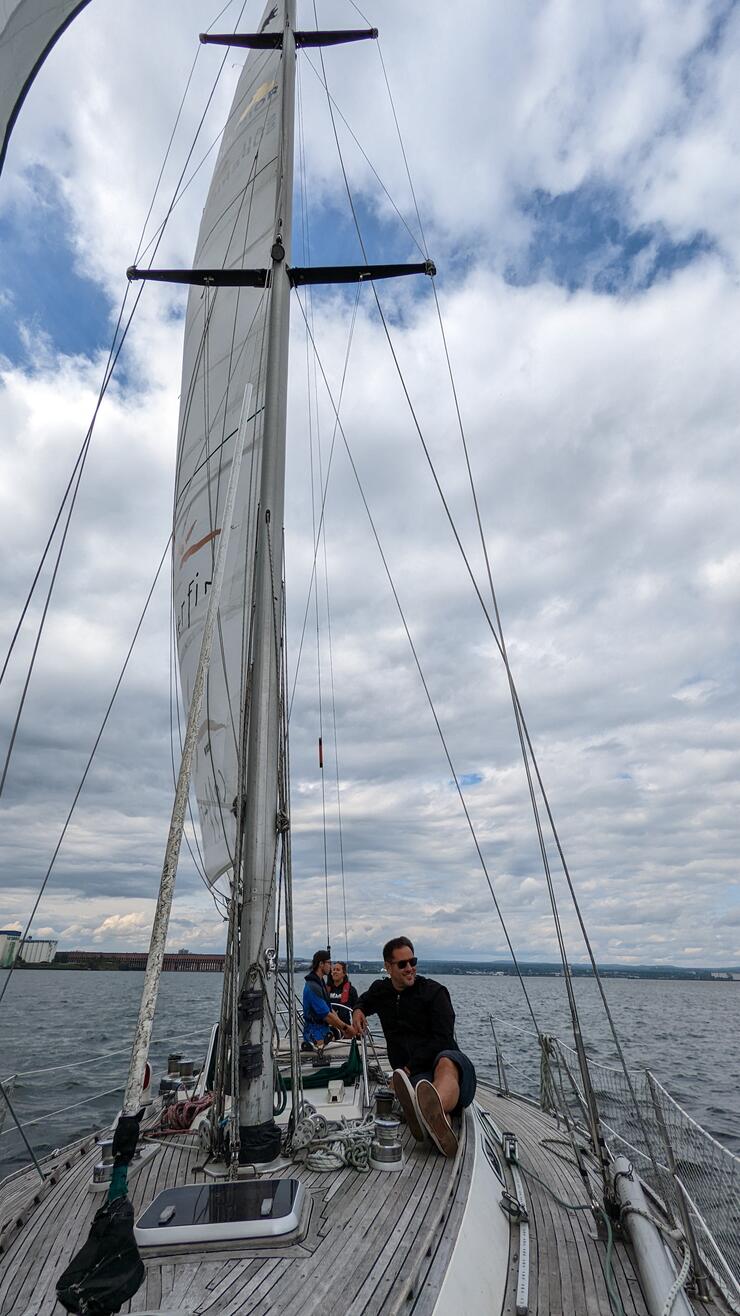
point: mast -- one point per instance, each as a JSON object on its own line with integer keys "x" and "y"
{"x": 258, "y": 1135}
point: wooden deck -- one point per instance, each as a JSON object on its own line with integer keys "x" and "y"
{"x": 370, "y": 1237}
{"x": 369, "y": 1244}
{"x": 567, "y": 1266}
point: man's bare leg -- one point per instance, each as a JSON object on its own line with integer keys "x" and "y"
{"x": 447, "y": 1083}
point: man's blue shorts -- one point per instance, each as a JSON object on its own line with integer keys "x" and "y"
{"x": 465, "y": 1069}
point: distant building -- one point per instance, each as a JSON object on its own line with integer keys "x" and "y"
{"x": 9, "y": 943}
{"x": 38, "y": 951}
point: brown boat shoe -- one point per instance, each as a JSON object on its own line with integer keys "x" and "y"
{"x": 406, "y": 1096}
{"x": 433, "y": 1117}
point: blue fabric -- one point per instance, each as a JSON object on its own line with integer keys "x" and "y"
{"x": 315, "y": 1010}
{"x": 465, "y": 1069}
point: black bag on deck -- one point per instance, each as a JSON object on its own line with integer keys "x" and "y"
{"x": 107, "y": 1270}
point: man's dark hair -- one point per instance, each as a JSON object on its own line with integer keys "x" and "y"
{"x": 319, "y": 958}
{"x": 396, "y": 943}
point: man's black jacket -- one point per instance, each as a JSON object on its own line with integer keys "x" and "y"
{"x": 417, "y": 1022}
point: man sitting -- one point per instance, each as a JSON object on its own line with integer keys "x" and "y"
{"x": 320, "y": 1023}
{"x": 432, "y": 1078}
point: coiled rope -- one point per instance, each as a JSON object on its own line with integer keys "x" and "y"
{"x": 324, "y": 1146}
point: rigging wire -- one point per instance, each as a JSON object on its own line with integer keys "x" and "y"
{"x": 106, "y": 376}
{"x": 422, "y": 677}
{"x": 420, "y": 433}
{"x": 113, "y": 355}
{"x": 88, "y": 765}
{"x": 325, "y": 492}
{"x": 527, "y": 749}
{"x": 313, "y": 410}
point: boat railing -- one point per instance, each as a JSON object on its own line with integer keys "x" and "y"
{"x": 696, "y": 1178}
{"x": 19, "y": 1089}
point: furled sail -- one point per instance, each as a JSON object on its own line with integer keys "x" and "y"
{"x": 223, "y": 387}
{"x": 28, "y": 30}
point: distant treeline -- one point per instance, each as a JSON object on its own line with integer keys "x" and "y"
{"x": 185, "y": 961}
{"x": 539, "y": 969}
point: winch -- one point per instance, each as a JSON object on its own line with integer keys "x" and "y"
{"x": 385, "y": 1148}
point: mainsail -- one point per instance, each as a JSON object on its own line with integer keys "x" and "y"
{"x": 223, "y": 388}
{"x": 28, "y": 30}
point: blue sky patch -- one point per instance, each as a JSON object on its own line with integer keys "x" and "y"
{"x": 40, "y": 285}
{"x": 471, "y": 778}
{"x": 583, "y": 239}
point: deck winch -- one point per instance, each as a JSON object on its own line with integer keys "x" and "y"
{"x": 385, "y": 1149}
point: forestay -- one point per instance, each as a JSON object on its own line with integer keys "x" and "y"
{"x": 224, "y": 354}
{"x": 28, "y": 30}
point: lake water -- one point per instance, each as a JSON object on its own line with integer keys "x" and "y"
{"x": 687, "y": 1033}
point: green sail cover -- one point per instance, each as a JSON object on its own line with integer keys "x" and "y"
{"x": 318, "y": 1078}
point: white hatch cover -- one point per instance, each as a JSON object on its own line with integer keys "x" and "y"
{"x": 206, "y": 1213}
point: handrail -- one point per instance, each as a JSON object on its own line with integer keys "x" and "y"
{"x": 61, "y": 1111}
{"x": 698, "y": 1164}
{"x": 105, "y": 1055}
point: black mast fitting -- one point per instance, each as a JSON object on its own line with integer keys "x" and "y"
{"x": 355, "y": 273}
{"x": 274, "y": 40}
{"x": 208, "y": 278}
{"x": 298, "y": 275}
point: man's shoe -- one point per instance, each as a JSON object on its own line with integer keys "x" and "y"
{"x": 433, "y": 1118}
{"x": 404, "y": 1091}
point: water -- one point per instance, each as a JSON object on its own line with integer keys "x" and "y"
{"x": 685, "y": 1032}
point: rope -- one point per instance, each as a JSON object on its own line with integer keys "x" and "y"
{"x": 324, "y": 1147}
{"x": 615, "y": 1300}
{"x": 676, "y": 1236}
{"x": 179, "y": 1117}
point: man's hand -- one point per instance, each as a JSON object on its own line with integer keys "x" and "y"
{"x": 360, "y": 1022}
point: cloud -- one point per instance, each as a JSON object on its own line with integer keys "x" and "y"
{"x": 576, "y": 178}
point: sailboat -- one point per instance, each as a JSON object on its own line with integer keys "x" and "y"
{"x": 265, "y": 1182}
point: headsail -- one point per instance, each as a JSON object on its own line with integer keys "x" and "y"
{"x": 28, "y": 30}
{"x": 224, "y": 354}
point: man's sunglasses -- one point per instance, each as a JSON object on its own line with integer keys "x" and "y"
{"x": 404, "y": 964}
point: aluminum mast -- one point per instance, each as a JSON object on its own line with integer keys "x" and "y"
{"x": 259, "y": 1136}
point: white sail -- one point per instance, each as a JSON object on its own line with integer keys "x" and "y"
{"x": 223, "y": 363}
{"x": 28, "y": 30}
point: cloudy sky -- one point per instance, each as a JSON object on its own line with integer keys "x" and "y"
{"x": 578, "y": 175}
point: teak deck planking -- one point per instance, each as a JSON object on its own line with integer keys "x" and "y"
{"x": 380, "y": 1241}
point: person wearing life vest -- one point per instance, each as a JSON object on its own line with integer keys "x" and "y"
{"x": 320, "y": 1022}
{"x": 342, "y": 994}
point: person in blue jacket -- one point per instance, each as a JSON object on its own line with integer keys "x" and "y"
{"x": 320, "y": 1022}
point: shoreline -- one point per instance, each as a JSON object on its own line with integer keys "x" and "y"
{"x": 673, "y": 974}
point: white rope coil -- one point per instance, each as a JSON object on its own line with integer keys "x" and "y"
{"x": 325, "y": 1147}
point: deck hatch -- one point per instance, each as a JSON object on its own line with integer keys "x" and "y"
{"x": 202, "y": 1213}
